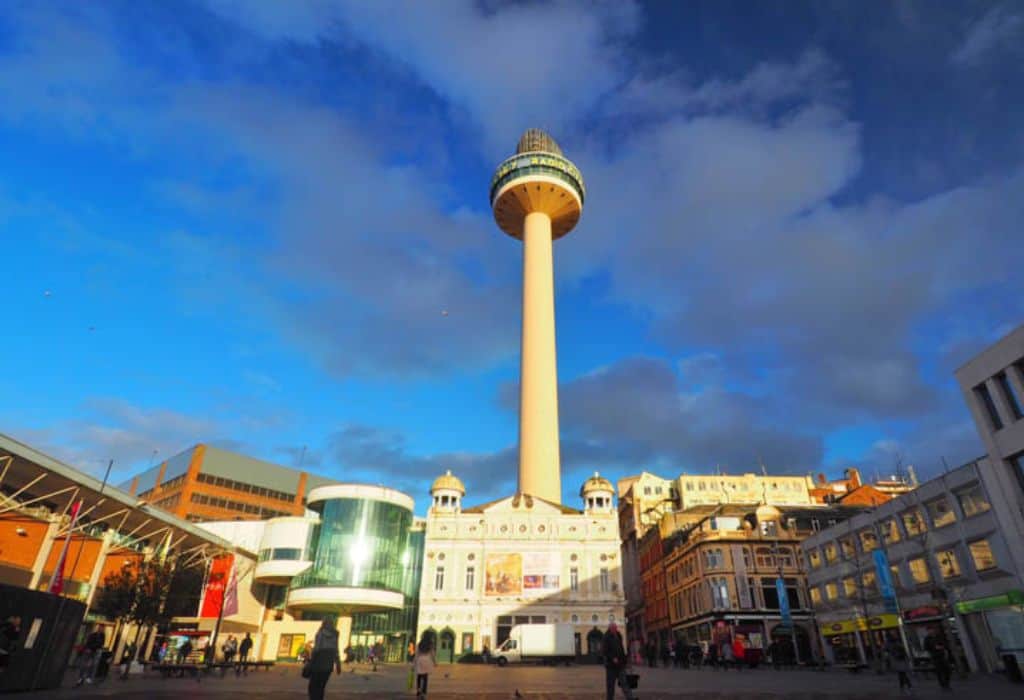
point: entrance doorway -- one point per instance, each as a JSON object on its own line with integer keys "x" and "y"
{"x": 446, "y": 648}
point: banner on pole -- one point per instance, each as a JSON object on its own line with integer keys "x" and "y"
{"x": 885, "y": 582}
{"x": 784, "y": 611}
{"x": 57, "y": 580}
{"x": 216, "y": 585}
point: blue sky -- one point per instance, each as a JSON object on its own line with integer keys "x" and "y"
{"x": 240, "y": 222}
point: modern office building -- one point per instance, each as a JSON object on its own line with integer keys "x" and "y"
{"x": 951, "y": 568}
{"x": 516, "y": 560}
{"x": 208, "y": 483}
{"x": 356, "y": 554}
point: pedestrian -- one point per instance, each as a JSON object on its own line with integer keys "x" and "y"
{"x": 726, "y": 654}
{"x": 900, "y": 663}
{"x": 424, "y": 662}
{"x": 324, "y": 658}
{"x": 10, "y": 631}
{"x": 935, "y": 644}
{"x": 486, "y": 654}
{"x": 161, "y": 653}
{"x": 126, "y": 659}
{"x": 229, "y": 649}
{"x": 371, "y": 655}
{"x": 411, "y": 651}
{"x": 243, "y": 654}
{"x": 89, "y": 656}
{"x": 739, "y": 651}
{"x": 712, "y": 655}
{"x": 184, "y": 651}
{"x": 664, "y": 655}
{"x": 615, "y": 663}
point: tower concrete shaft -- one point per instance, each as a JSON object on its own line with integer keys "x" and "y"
{"x": 537, "y": 196}
{"x": 539, "y": 460}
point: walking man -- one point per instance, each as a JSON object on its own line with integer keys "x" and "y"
{"x": 243, "y": 654}
{"x": 615, "y": 663}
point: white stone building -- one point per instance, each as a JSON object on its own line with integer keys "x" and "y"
{"x": 518, "y": 560}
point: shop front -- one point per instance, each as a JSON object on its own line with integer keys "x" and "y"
{"x": 995, "y": 626}
{"x": 859, "y": 641}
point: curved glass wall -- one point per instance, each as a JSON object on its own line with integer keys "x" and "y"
{"x": 359, "y": 543}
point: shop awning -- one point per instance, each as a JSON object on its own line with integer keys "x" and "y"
{"x": 1005, "y": 600}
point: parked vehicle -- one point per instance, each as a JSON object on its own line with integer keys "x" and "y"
{"x": 537, "y": 643}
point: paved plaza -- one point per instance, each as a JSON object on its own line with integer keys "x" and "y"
{"x": 492, "y": 683}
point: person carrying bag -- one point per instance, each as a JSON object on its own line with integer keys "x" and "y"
{"x": 324, "y": 658}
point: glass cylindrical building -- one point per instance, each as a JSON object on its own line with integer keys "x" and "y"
{"x": 357, "y": 550}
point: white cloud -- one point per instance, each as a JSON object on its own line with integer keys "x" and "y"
{"x": 998, "y": 28}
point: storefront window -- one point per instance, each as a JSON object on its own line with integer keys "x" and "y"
{"x": 973, "y": 501}
{"x": 913, "y": 523}
{"x": 919, "y": 570}
{"x": 949, "y": 565}
{"x": 940, "y": 512}
{"x": 868, "y": 540}
{"x": 846, "y": 545}
{"x": 890, "y": 531}
{"x": 981, "y": 555}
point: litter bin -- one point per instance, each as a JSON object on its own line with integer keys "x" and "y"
{"x": 1012, "y": 668}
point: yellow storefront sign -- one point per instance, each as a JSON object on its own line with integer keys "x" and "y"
{"x": 875, "y": 622}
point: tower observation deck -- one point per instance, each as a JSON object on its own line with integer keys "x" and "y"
{"x": 537, "y": 196}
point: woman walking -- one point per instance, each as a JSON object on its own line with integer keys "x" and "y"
{"x": 324, "y": 658}
{"x": 423, "y": 664}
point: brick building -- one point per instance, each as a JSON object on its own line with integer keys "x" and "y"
{"x": 208, "y": 483}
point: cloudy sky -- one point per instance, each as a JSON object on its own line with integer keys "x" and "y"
{"x": 240, "y": 222}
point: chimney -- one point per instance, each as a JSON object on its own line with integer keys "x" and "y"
{"x": 853, "y": 475}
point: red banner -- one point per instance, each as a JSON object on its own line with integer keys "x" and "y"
{"x": 57, "y": 582}
{"x": 216, "y": 583}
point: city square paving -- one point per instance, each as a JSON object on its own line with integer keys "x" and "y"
{"x": 539, "y": 683}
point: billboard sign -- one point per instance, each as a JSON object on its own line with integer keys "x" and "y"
{"x": 503, "y": 574}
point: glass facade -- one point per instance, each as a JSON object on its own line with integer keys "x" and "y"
{"x": 395, "y": 628}
{"x": 359, "y": 543}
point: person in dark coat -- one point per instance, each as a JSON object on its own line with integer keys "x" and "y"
{"x": 243, "y": 654}
{"x": 326, "y": 656}
{"x": 935, "y": 645}
{"x": 615, "y": 663}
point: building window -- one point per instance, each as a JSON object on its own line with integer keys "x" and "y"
{"x": 830, "y": 553}
{"x": 981, "y": 555}
{"x": 972, "y": 501}
{"x": 985, "y": 398}
{"x": 919, "y": 571}
{"x": 719, "y": 592}
{"x": 868, "y": 541}
{"x": 913, "y": 523}
{"x": 439, "y": 578}
{"x": 949, "y": 565}
{"x": 831, "y": 591}
{"x": 765, "y": 558}
{"x": 940, "y": 512}
{"x": 605, "y": 581}
{"x": 647, "y": 490}
{"x": 813, "y": 558}
{"x": 870, "y": 582}
{"x": 785, "y": 557}
{"x": 894, "y": 573}
{"x": 815, "y": 525}
{"x": 815, "y": 595}
{"x": 713, "y": 558}
{"x": 1009, "y": 395}
{"x": 847, "y": 548}
{"x": 890, "y": 531}
{"x": 850, "y": 587}
{"x": 574, "y": 579}
{"x": 470, "y": 578}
